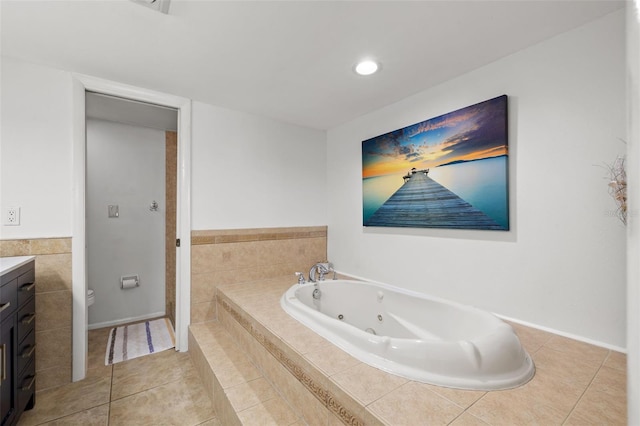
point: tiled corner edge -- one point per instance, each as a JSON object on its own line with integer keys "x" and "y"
{"x": 223, "y": 236}
{"x": 323, "y": 394}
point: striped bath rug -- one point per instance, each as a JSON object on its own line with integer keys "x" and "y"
{"x": 136, "y": 340}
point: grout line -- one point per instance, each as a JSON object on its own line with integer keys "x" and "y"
{"x": 111, "y": 386}
{"x": 110, "y": 393}
{"x": 458, "y": 416}
{"x": 586, "y": 388}
{"x": 474, "y": 403}
{"x": 144, "y": 390}
{"x": 208, "y": 420}
{"x": 49, "y": 420}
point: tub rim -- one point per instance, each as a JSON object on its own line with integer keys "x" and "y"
{"x": 315, "y": 321}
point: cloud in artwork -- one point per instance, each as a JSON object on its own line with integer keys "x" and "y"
{"x": 486, "y": 136}
{"x": 475, "y": 132}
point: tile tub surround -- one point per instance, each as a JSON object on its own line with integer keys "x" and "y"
{"x": 230, "y": 256}
{"x": 575, "y": 383}
{"x": 53, "y": 305}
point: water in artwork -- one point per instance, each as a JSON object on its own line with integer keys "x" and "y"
{"x": 481, "y": 183}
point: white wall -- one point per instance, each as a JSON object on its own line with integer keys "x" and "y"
{"x": 562, "y": 266}
{"x": 247, "y": 171}
{"x": 125, "y": 167}
{"x": 252, "y": 172}
{"x": 35, "y": 149}
{"x": 633, "y": 245}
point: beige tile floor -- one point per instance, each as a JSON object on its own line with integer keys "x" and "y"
{"x": 157, "y": 389}
{"x": 575, "y": 384}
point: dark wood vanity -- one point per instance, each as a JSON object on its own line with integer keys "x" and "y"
{"x": 17, "y": 337}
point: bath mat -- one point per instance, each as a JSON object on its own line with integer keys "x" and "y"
{"x": 136, "y": 340}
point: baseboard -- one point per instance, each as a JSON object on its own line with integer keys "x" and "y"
{"x": 122, "y": 321}
{"x": 564, "y": 334}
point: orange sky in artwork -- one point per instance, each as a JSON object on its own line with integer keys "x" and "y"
{"x": 402, "y": 166}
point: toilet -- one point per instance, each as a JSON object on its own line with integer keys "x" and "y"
{"x": 91, "y": 297}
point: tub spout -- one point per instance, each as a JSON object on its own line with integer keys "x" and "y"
{"x": 322, "y": 268}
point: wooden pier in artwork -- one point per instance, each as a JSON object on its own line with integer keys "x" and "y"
{"x": 423, "y": 203}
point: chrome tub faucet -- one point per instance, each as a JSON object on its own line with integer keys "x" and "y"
{"x": 322, "y": 268}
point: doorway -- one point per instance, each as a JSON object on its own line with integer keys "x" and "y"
{"x": 82, "y": 84}
{"x": 130, "y": 197}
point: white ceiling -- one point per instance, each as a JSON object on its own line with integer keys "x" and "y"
{"x": 288, "y": 60}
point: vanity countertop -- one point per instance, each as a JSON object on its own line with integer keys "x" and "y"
{"x": 8, "y": 264}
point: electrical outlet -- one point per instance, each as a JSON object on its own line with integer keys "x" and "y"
{"x": 12, "y": 216}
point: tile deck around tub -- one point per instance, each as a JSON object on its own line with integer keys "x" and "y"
{"x": 575, "y": 383}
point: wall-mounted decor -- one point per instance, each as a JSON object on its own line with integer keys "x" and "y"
{"x": 449, "y": 171}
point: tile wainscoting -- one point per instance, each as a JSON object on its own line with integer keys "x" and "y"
{"x": 220, "y": 257}
{"x": 53, "y": 305}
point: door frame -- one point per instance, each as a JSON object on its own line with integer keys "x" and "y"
{"x": 81, "y": 84}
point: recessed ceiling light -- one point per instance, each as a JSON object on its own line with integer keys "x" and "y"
{"x": 367, "y": 67}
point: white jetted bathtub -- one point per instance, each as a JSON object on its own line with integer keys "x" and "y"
{"x": 411, "y": 335}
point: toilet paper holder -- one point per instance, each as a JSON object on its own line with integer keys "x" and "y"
{"x": 129, "y": 281}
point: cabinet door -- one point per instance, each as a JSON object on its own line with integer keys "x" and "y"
{"x": 7, "y": 370}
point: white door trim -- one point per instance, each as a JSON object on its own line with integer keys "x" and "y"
{"x": 82, "y": 83}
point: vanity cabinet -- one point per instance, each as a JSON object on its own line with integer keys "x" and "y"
{"x": 17, "y": 338}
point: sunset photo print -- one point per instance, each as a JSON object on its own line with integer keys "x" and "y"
{"x": 450, "y": 171}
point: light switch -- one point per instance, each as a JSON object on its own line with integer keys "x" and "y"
{"x": 114, "y": 211}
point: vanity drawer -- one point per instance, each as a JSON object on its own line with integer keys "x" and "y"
{"x": 8, "y": 298}
{"x": 26, "y": 385}
{"x": 26, "y": 286}
{"x": 26, "y": 319}
{"x": 26, "y": 351}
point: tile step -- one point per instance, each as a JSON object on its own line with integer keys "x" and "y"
{"x": 238, "y": 390}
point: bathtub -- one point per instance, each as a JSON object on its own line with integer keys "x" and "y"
{"x": 412, "y": 335}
